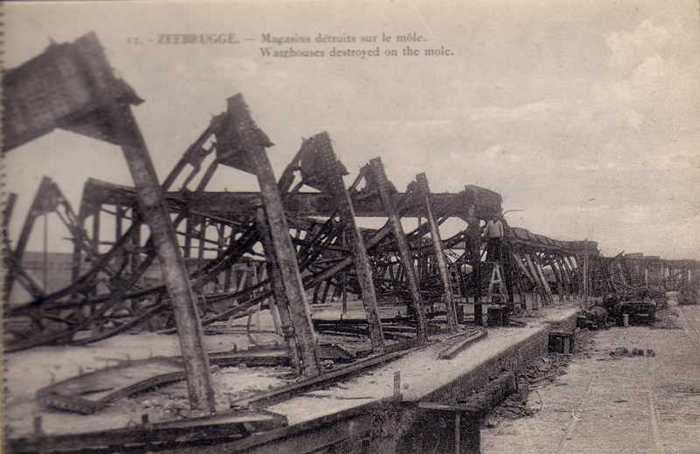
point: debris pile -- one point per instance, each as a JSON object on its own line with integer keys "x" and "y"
{"x": 667, "y": 318}
{"x": 624, "y": 352}
{"x": 689, "y": 295}
{"x": 230, "y": 383}
{"x": 541, "y": 372}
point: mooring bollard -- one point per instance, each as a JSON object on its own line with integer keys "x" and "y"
{"x": 145, "y": 421}
{"x": 38, "y": 435}
{"x": 397, "y": 385}
{"x": 38, "y": 427}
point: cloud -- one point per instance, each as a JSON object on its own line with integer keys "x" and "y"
{"x": 515, "y": 113}
{"x": 646, "y": 80}
{"x": 629, "y": 49}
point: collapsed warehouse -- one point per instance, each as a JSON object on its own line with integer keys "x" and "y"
{"x": 185, "y": 260}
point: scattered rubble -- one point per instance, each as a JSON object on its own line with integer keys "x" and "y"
{"x": 230, "y": 383}
{"x": 539, "y": 374}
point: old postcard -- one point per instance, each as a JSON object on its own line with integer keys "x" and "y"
{"x": 351, "y": 226}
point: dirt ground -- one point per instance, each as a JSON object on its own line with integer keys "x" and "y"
{"x": 631, "y": 390}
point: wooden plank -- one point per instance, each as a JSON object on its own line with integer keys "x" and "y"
{"x": 456, "y": 348}
{"x": 312, "y": 383}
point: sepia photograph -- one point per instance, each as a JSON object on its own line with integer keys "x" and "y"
{"x": 350, "y": 227}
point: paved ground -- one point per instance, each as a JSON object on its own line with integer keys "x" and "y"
{"x": 633, "y": 405}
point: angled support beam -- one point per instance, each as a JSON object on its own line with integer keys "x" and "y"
{"x": 110, "y": 118}
{"x": 584, "y": 272}
{"x": 448, "y": 298}
{"x": 561, "y": 280}
{"x": 331, "y": 168}
{"x": 136, "y": 243}
{"x": 46, "y": 200}
{"x": 201, "y": 240}
{"x": 508, "y": 273}
{"x": 189, "y": 234}
{"x": 545, "y": 284}
{"x": 573, "y": 277}
{"x": 535, "y": 275}
{"x": 519, "y": 261}
{"x": 244, "y": 134}
{"x": 564, "y": 270}
{"x": 281, "y": 301}
{"x": 379, "y": 175}
{"x": 155, "y": 213}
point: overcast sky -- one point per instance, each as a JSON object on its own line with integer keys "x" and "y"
{"x": 583, "y": 114}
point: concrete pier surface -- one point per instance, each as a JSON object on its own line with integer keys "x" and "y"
{"x": 337, "y": 408}
{"x": 424, "y": 375}
{"x": 635, "y": 405}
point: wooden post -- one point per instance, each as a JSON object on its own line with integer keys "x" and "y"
{"x": 136, "y": 242}
{"x": 202, "y": 237}
{"x": 281, "y": 301}
{"x": 448, "y": 298}
{"x": 646, "y": 274}
{"x": 535, "y": 275}
{"x": 189, "y": 234}
{"x": 545, "y": 284}
{"x": 573, "y": 281}
{"x": 405, "y": 253}
{"x": 585, "y": 277}
{"x": 562, "y": 281}
{"x": 77, "y": 250}
{"x": 570, "y": 281}
{"x": 45, "y": 268}
{"x": 517, "y": 260}
{"x": 507, "y": 264}
{"x": 474, "y": 239}
{"x": 558, "y": 279}
{"x": 96, "y": 227}
{"x": 119, "y": 229}
{"x": 363, "y": 268}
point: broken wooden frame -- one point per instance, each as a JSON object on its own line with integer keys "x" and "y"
{"x": 78, "y": 91}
